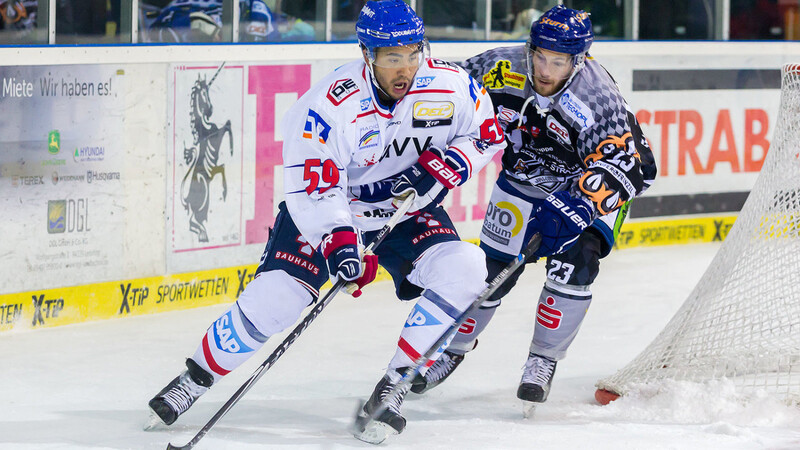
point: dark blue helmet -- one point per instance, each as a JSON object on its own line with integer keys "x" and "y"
{"x": 389, "y": 23}
{"x": 562, "y": 30}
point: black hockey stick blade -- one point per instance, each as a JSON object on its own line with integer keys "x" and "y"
{"x": 402, "y": 209}
{"x": 363, "y": 423}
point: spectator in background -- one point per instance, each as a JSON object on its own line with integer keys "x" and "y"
{"x": 17, "y": 21}
{"x": 201, "y": 21}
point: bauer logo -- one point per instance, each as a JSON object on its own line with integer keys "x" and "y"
{"x": 421, "y": 318}
{"x": 225, "y": 335}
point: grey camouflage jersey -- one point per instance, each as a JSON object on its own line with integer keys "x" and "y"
{"x": 553, "y": 145}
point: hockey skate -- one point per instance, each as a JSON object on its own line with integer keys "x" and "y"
{"x": 390, "y": 421}
{"x": 178, "y": 395}
{"x": 436, "y": 373}
{"x": 535, "y": 385}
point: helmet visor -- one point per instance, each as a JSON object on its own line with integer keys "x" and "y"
{"x": 549, "y": 65}
{"x": 400, "y": 57}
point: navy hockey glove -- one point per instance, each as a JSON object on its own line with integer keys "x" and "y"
{"x": 431, "y": 177}
{"x": 560, "y": 219}
{"x": 340, "y": 249}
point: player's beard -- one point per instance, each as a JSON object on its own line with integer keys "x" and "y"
{"x": 547, "y": 86}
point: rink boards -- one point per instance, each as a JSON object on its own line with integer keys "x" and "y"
{"x": 102, "y": 192}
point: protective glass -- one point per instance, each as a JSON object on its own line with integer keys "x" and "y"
{"x": 401, "y": 57}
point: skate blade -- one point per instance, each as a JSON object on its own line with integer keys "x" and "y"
{"x": 528, "y": 409}
{"x": 374, "y": 432}
{"x": 154, "y": 423}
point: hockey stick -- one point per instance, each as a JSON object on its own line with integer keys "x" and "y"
{"x": 402, "y": 209}
{"x": 363, "y": 420}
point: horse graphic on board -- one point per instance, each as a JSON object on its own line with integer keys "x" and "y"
{"x": 203, "y": 157}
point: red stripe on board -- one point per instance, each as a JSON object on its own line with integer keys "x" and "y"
{"x": 210, "y": 359}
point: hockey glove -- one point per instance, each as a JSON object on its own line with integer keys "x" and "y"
{"x": 560, "y": 219}
{"x": 340, "y": 249}
{"x": 431, "y": 177}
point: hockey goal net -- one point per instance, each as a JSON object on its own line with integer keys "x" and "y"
{"x": 742, "y": 320}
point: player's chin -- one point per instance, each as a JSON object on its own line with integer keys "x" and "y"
{"x": 399, "y": 89}
{"x": 545, "y": 87}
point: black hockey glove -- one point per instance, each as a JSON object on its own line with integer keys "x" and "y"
{"x": 560, "y": 219}
{"x": 431, "y": 177}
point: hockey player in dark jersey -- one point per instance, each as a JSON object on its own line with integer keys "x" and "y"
{"x": 575, "y": 157}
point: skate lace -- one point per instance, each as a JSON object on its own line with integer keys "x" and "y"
{"x": 181, "y": 396}
{"x": 443, "y": 366}
{"x": 393, "y": 403}
{"x": 538, "y": 370}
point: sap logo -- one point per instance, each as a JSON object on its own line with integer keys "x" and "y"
{"x": 558, "y": 130}
{"x": 424, "y": 81}
{"x": 400, "y": 148}
{"x": 132, "y": 297}
{"x": 576, "y": 109}
{"x": 45, "y": 308}
{"x": 340, "y": 90}
{"x": 433, "y": 110}
{"x": 364, "y": 103}
{"x": 316, "y": 127}
{"x": 225, "y": 336}
{"x": 421, "y": 318}
{"x": 547, "y": 316}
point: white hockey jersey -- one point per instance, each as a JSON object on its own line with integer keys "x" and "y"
{"x": 338, "y": 135}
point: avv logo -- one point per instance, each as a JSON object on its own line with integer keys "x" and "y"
{"x": 226, "y": 338}
{"x": 421, "y": 318}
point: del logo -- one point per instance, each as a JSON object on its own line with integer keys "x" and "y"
{"x": 225, "y": 336}
{"x": 502, "y": 76}
{"x": 421, "y": 318}
{"x": 557, "y": 130}
{"x": 424, "y": 81}
{"x": 547, "y": 316}
{"x": 340, "y": 90}
{"x": 432, "y": 114}
{"x": 316, "y": 127}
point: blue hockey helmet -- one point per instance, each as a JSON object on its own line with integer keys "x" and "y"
{"x": 389, "y": 23}
{"x": 563, "y": 30}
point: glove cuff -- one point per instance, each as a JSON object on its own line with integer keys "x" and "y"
{"x": 439, "y": 169}
{"x": 338, "y": 237}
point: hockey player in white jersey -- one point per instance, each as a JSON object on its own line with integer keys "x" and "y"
{"x": 374, "y": 129}
{"x": 575, "y": 157}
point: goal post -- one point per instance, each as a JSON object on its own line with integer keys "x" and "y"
{"x": 742, "y": 320}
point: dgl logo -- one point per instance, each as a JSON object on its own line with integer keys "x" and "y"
{"x": 68, "y": 216}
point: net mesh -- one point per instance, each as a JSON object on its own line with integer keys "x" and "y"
{"x": 742, "y": 320}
